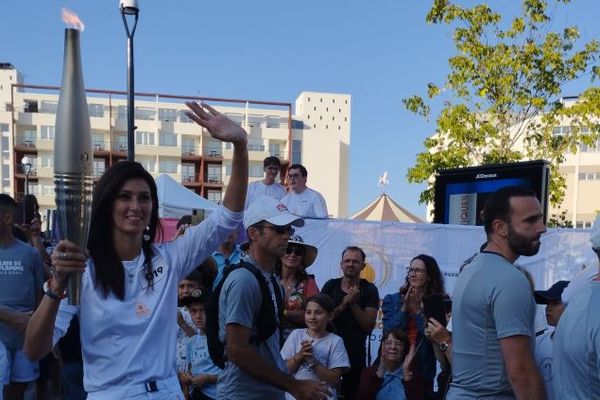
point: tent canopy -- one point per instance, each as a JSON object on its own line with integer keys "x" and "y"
{"x": 175, "y": 200}
{"x": 384, "y": 208}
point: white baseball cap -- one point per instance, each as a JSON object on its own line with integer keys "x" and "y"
{"x": 265, "y": 208}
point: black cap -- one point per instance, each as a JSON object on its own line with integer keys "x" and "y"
{"x": 198, "y": 296}
{"x": 552, "y": 294}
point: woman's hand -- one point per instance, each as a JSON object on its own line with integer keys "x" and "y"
{"x": 67, "y": 258}
{"x": 413, "y": 301}
{"x": 218, "y": 125}
{"x": 436, "y": 332}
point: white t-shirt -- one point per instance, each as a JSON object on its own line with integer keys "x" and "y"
{"x": 308, "y": 204}
{"x": 127, "y": 343}
{"x": 328, "y": 350}
{"x": 543, "y": 359}
{"x": 258, "y": 188}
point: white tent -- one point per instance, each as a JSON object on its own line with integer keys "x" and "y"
{"x": 175, "y": 200}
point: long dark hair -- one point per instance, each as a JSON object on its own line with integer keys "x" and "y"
{"x": 110, "y": 275}
{"x": 436, "y": 282}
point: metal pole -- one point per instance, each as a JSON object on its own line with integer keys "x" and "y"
{"x": 130, "y": 82}
{"x": 130, "y": 102}
{"x": 27, "y": 182}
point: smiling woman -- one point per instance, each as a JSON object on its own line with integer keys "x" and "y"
{"x": 129, "y": 285}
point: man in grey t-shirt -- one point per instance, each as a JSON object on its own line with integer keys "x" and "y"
{"x": 21, "y": 280}
{"x": 493, "y": 307}
{"x": 258, "y": 371}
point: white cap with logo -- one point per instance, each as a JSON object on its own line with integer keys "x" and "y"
{"x": 268, "y": 209}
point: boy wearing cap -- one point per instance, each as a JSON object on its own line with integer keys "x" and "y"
{"x": 257, "y": 371}
{"x": 543, "y": 344}
{"x": 200, "y": 373}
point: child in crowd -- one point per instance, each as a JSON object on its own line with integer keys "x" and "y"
{"x": 313, "y": 352}
{"x": 196, "y": 369}
{"x": 544, "y": 340}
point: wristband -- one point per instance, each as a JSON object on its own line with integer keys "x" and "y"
{"x": 48, "y": 292}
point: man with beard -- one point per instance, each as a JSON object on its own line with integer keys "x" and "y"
{"x": 493, "y": 306}
{"x": 357, "y": 302}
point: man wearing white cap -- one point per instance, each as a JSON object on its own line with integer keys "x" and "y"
{"x": 577, "y": 338}
{"x": 257, "y": 371}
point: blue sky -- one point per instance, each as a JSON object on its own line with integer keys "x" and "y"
{"x": 379, "y": 52}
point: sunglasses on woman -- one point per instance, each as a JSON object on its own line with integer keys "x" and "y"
{"x": 295, "y": 250}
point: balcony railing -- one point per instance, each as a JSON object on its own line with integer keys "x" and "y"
{"x": 121, "y": 147}
{"x": 189, "y": 150}
{"x": 216, "y": 179}
{"x": 212, "y": 151}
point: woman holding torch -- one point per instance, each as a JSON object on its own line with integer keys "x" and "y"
{"x": 129, "y": 290}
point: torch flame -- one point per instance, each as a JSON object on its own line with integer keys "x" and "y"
{"x": 72, "y": 20}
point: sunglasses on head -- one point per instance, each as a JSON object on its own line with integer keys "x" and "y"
{"x": 298, "y": 251}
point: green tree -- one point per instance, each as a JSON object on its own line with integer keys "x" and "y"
{"x": 502, "y": 95}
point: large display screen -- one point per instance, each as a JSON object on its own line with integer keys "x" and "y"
{"x": 461, "y": 193}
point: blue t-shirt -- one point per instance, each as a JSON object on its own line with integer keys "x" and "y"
{"x": 577, "y": 346}
{"x": 239, "y": 303}
{"x": 391, "y": 387}
{"x": 492, "y": 300}
{"x": 197, "y": 354}
{"x": 21, "y": 275}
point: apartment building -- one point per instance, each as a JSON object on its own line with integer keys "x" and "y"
{"x": 316, "y": 134}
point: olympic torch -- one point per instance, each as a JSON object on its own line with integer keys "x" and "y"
{"x": 73, "y": 156}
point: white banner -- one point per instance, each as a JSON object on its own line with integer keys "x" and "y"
{"x": 391, "y": 245}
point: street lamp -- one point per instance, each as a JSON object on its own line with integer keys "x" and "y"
{"x": 130, "y": 7}
{"x": 26, "y": 163}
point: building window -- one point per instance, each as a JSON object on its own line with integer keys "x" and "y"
{"x": 255, "y": 170}
{"x": 145, "y": 113}
{"x": 184, "y": 118}
{"x": 144, "y": 138}
{"x": 589, "y": 176}
{"x": 213, "y": 173}
{"x": 169, "y": 166}
{"x": 561, "y": 130}
{"x": 47, "y": 132}
{"x": 167, "y": 114}
{"x": 333, "y": 101}
{"x": 188, "y": 172}
{"x": 214, "y": 196}
{"x": 98, "y": 141}
{"x": 99, "y": 167}
{"x": 96, "y": 110}
{"x": 47, "y": 161}
{"x": 167, "y": 139}
{"x": 148, "y": 163}
{"x": 31, "y": 106}
{"x": 49, "y": 107}
{"x": 592, "y": 148}
{"x": 583, "y": 224}
{"x": 296, "y": 152}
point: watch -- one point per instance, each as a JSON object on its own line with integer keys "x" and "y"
{"x": 443, "y": 346}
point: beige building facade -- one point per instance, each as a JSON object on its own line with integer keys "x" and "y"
{"x": 316, "y": 135}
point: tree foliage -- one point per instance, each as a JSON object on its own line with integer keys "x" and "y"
{"x": 502, "y": 95}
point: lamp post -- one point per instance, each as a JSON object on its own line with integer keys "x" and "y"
{"x": 130, "y": 7}
{"x": 26, "y": 163}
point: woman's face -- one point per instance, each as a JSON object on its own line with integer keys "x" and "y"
{"x": 293, "y": 256}
{"x": 417, "y": 274}
{"x": 132, "y": 208}
{"x": 393, "y": 349}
